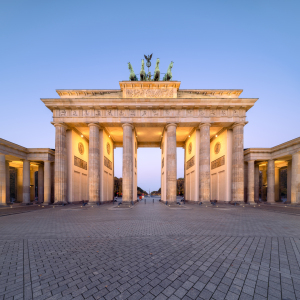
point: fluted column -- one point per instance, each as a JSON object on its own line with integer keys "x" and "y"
{"x": 264, "y": 184}
{"x": 7, "y": 176}
{"x": 289, "y": 182}
{"x": 47, "y": 182}
{"x": 127, "y": 181}
{"x": 271, "y": 181}
{"x": 238, "y": 163}
{"x": 277, "y": 196}
{"x": 32, "y": 184}
{"x": 204, "y": 162}
{"x": 26, "y": 181}
{"x": 256, "y": 182}
{"x": 60, "y": 173}
{"x": 251, "y": 182}
{"x": 41, "y": 183}
{"x": 19, "y": 185}
{"x": 94, "y": 164}
{"x": 295, "y": 184}
{"x": 2, "y": 180}
{"x": 171, "y": 164}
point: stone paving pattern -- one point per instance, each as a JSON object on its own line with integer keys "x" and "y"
{"x": 151, "y": 252}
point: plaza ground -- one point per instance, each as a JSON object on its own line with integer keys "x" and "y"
{"x": 150, "y": 252}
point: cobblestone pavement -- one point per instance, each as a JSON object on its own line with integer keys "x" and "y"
{"x": 18, "y": 209}
{"x": 150, "y": 252}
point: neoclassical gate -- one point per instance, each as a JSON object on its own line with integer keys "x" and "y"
{"x": 208, "y": 124}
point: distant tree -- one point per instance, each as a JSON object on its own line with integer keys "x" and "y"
{"x": 180, "y": 186}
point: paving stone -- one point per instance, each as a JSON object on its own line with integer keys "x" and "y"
{"x": 168, "y": 291}
{"x": 200, "y": 253}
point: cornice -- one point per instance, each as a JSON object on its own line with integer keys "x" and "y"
{"x": 11, "y": 145}
{"x": 144, "y": 84}
{"x": 41, "y": 150}
{"x": 213, "y": 92}
{"x": 70, "y": 93}
{"x": 279, "y": 147}
{"x": 141, "y": 103}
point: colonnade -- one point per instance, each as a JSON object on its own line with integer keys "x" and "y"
{"x": 25, "y": 182}
{"x": 128, "y": 163}
{"x": 270, "y": 181}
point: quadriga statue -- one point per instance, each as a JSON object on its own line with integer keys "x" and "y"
{"x": 156, "y": 71}
{"x": 143, "y": 73}
{"x": 132, "y": 76}
{"x": 168, "y": 76}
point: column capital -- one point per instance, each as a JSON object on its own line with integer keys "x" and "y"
{"x": 171, "y": 124}
{"x": 204, "y": 124}
{"x": 60, "y": 125}
{"x": 95, "y": 124}
{"x": 127, "y": 124}
{"x": 238, "y": 124}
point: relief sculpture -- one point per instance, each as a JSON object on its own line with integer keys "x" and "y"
{"x": 149, "y": 93}
{"x": 155, "y": 112}
{"x": 63, "y": 113}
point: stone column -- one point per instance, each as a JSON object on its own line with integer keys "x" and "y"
{"x": 204, "y": 163}
{"x": 19, "y": 185}
{"x": 277, "y": 196}
{"x": 256, "y": 182}
{"x": 26, "y": 181}
{"x": 94, "y": 164}
{"x": 184, "y": 170}
{"x": 47, "y": 182}
{"x": 271, "y": 182}
{"x": 32, "y": 184}
{"x": 41, "y": 183}
{"x": 7, "y": 176}
{"x": 171, "y": 164}
{"x": 238, "y": 163}
{"x": 289, "y": 181}
{"x": 246, "y": 182}
{"x": 60, "y": 173}
{"x": 295, "y": 186}
{"x": 127, "y": 181}
{"x": 2, "y": 180}
{"x": 264, "y": 184}
{"x": 251, "y": 181}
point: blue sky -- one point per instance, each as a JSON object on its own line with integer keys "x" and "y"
{"x": 47, "y": 45}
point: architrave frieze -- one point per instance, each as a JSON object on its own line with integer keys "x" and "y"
{"x": 191, "y": 113}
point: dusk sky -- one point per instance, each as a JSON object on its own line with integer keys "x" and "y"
{"x": 250, "y": 45}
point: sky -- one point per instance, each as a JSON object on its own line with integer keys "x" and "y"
{"x": 250, "y": 45}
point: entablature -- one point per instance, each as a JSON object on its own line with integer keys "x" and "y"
{"x": 18, "y": 152}
{"x": 282, "y": 151}
{"x": 150, "y": 116}
{"x": 152, "y": 103}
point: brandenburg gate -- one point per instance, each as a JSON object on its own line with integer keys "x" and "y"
{"x": 208, "y": 124}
